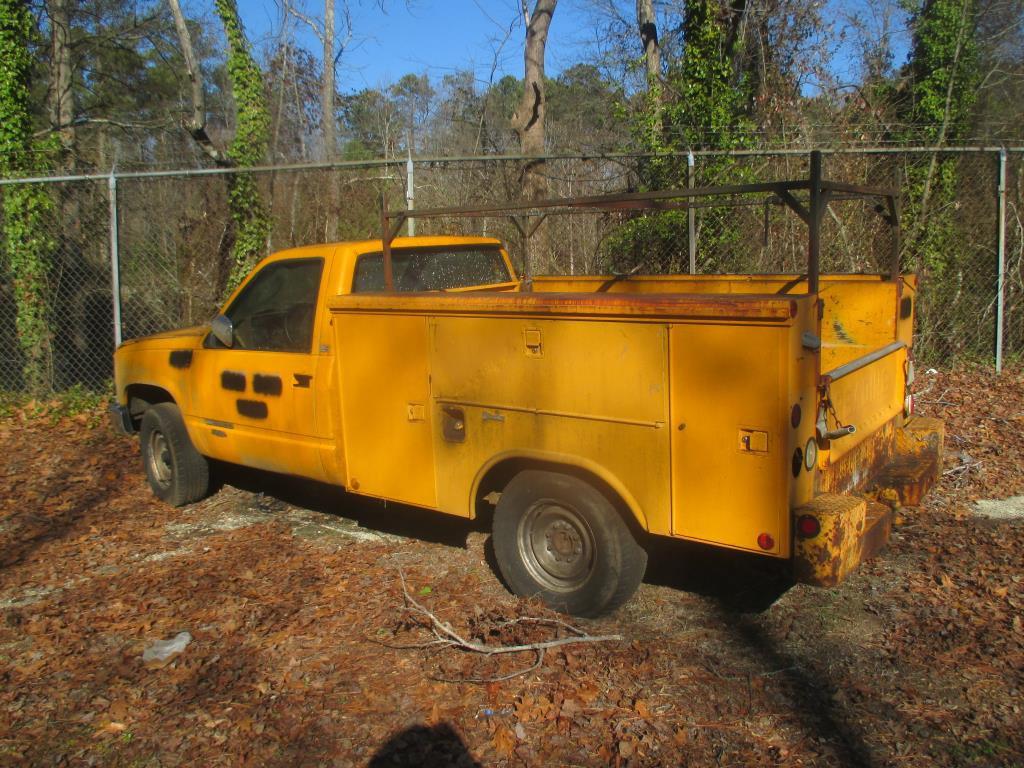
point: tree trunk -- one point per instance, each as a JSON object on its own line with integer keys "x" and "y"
{"x": 248, "y": 147}
{"x": 61, "y": 106}
{"x": 528, "y": 119}
{"x": 648, "y": 27}
{"x": 27, "y": 213}
{"x": 196, "y": 123}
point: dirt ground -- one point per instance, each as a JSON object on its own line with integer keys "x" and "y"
{"x": 293, "y": 599}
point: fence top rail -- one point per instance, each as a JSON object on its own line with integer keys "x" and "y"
{"x": 460, "y": 159}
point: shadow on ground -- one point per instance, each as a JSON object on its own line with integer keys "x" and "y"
{"x": 738, "y": 581}
{"x": 422, "y": 745}
{"x": 373, "y": 514}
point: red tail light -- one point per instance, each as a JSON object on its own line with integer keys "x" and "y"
{"x": 807, "y": 526}
{"x": 765, "y": 541}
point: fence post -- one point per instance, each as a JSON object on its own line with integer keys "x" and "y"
{"x": 691, "y": 215}
{"x": 1001, "y": 259}
{"x": 410, "y": 193}
{"x": 115, "y": 259}
{"x": 815, "y": 210}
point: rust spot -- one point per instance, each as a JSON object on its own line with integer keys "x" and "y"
{"x": 841, "y": 333}
{"x": 766, "y": 307}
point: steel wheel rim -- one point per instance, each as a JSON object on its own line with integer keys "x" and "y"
{"x": 160, "y": 462}
{"x": 557, "y": 546}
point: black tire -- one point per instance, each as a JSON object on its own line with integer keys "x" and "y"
{"x": 559, "y": 538}
{"x": 177, "y": 472}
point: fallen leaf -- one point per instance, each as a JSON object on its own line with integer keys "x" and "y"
{"x": 118, "y": 710}
{"x": 642, "y": 709}
{"x": 504, "y": 742}
{"x": 109, "y": 728}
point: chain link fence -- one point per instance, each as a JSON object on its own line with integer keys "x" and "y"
{"x": 170, "y": 235}
{"x": 73, "y": 289}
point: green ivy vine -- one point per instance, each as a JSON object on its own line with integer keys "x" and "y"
{"x": 247, "y": 149}
{"x": 28, "y": 210}
{"x": 702, "y": 104}
{"x": 944, "y": 75}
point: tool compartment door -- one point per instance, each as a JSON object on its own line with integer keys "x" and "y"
{"x": 384, "y": 373}
{"x": 728, "y": 440}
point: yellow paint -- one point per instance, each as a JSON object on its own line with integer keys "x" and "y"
{"x": 574, "y": 403}
{"x": 867, "y": 398}
{"x": 385, "y": 376}
{"x": 692, "y": 398}
{"x": 726, "y": 380}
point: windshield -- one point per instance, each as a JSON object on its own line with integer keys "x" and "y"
{"x": 432, "y": 269}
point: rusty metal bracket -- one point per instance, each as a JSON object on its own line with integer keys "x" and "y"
{"x": 820, "y": 193}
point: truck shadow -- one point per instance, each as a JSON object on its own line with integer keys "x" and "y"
{"x": 375, "y": 515}
{"x": 738, "y": 581}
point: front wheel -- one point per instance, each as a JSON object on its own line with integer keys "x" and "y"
{"x": 559, "y": 538}
{"x": 177, "y": 472}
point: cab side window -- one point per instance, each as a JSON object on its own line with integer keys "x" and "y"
{"x": 277, "y": 309}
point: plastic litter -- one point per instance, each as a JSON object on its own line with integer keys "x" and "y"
{"x": 164, "y": 649}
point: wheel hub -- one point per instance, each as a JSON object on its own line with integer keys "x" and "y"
{"x": 160, "y": 458}
{"x": 563, "y": 542}
{"x": 556, "y": 545}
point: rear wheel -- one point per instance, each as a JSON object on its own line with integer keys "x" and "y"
{"x": 559, "y": 538}
{"x": 177, "y": 472}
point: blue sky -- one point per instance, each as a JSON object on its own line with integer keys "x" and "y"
{"x": 436, "y": 36}
{"x": 442, "y": 36}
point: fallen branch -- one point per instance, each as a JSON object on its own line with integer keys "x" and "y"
{"x": 446, "y": 635}
{"x": 961, "y": 468}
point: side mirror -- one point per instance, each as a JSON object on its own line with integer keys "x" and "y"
{"x": 223, "y": 330}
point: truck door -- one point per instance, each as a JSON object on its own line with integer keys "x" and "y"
{"x": 254, "y": 403}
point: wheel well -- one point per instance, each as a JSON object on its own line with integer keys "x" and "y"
{"x": 141, "y": 397}
{"x": 498, "y": 476}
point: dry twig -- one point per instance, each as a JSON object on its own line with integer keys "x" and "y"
{"x": 447, "y": 636}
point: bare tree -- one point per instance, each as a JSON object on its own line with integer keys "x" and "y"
{"x": 195, "y": 124}
{"x": 528, "y": 119}
{"x": 60, "y": 97}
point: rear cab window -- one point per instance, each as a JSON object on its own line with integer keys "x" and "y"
{"x": 433, "y": 268}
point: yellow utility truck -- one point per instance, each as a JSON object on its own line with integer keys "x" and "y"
{"x": 764, "y": 413}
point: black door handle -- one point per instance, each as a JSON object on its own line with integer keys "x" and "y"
{"x": 302, "y": 380}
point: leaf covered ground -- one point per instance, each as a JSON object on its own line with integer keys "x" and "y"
{"x": 303, "y": 652}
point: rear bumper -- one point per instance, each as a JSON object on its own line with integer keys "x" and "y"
{"x": 855, "y": 526}
{"x": 121, "y": 419}
{"x": 853, "y": 529}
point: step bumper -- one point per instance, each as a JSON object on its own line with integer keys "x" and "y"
{"x": 915, "y": 466}
{"x": 851, "y": 530}
{"x": 854, "y": 528}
